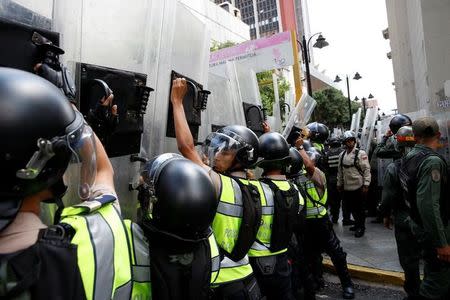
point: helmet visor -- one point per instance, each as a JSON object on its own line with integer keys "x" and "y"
{"x": 218, "y": 148}
{"x": 83, "y": 163}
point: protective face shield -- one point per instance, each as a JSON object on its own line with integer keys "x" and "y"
{"x": 80, "y": 142}
{"x": 220, "y": 149}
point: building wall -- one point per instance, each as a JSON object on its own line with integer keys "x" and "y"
{"x": 401, "y": 55}
{"x": 420, "y": 41}
{"x": 222, "y": 25}
{"x": 419, "y": 56}
{"x": 436, "y": 26}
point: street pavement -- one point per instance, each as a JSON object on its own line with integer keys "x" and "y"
{"x": 363, "y": 290}
{"x": 376, "y": 249}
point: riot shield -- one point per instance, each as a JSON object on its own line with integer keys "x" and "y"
{"x": 443, "y": 120}
{"x": 368, "y": 128}
{"x": 21, "y": 22}
{"x": 224, "y": 106}
{"x": 114, "y": 50}
{"x": 353, "y": 123}
{"x": 299, "y": 117}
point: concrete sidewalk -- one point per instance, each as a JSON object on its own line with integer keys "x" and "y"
{"x": 372, "y": 257}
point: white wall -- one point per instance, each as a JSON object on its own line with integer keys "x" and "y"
{"x": 222, "y": 25}
{"x": 401, "y": 55}
{"x": 436, "y": 24}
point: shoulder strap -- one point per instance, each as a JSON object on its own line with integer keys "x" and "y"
{"x": 356, "y": 162}
{"x": 305, "y": 194}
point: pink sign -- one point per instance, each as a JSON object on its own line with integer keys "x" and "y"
{"x": 276, "y": 44}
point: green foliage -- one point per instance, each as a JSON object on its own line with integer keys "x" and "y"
{"x": 332, "y": 107}
{"x": 217, "y": 45}
{"x": 267, "y": 92}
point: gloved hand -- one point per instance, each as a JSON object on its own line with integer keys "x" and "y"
{"x": 104, "y": 117}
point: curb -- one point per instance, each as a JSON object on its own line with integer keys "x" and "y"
{"x": 369, "y": 274}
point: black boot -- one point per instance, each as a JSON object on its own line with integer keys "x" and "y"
{"x": 347, "y": 292}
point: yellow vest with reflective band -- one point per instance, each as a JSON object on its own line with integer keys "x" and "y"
{"x": 313, "y": 210}
{"x": 104, "y": 252}
{"x": 318, "y": 146}
{"x": 215, "y": 258}
{"x": 226, "y": 224}
{"x": 261, "y": 247}
{"x": 140, "y": 261}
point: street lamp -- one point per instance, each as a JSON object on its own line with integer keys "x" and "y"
{"x": 355, "y": 77}
{"x": 320, "y": 43}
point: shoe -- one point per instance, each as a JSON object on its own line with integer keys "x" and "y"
{"x": 348, "y": 222}
{"x": 353, "y": 228}
{"x": 359, "y": 232}
{"x": 348, "y": 293}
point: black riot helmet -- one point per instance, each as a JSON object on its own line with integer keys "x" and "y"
{"x": 274, "y": 151}
{"x": 183, "y": 199}
{"x": 318, "y": 132}
{"x": 398, "y": 121}
{"x": 41, "y": 133}
{"x": 236, "y": 139}
{"x": 335, "y": 142}
{"x": 296, "y": 162}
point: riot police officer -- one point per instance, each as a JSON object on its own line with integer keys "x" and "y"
{"x": 319, "y": 234}
{"x": 392, "y": 204}
{"x": 318, "y": 134}
{"x": 87, "y": 254}
{"x": 227, "y": 154}
{"x": 424, "y": 180}
{"x": 353, "y": 180}
{"x": 386, "y": 148}
{"x": 281, "y": 204}
{"x": 334, "y": 198}
{"x": 184, "y": 255}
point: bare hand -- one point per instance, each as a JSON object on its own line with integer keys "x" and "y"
{"x": 444, "y": 253}
{"x": 179, "y": 89}
{"x": 388, "y": 133}
{"x": 265, "y": 126}
{"x": 299, "y": 142}
{"x": 107, "y": 102}
{"x": 387, "y": 222}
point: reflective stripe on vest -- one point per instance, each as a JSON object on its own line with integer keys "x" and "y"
{"x": 316, "y": 210}
{"x": 226, "y": 225}
{"x": 229, "y": 213}
{"x": 140, "y": 261}
{"x": 215, "y": 258}
{"x": 233, "y": 271}
{"x": 261, "y": 247}
{"x": 102, "y": 250}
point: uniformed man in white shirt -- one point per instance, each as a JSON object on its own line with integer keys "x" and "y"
{"x": 353, "y": 180}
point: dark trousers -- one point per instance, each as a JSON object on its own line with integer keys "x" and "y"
{"x": 246, "y": 289}
{"x": 436, "y": 280}
{"x": 409, "y": 254}
{"x": 334, "y": 200}
{"x": 356, "y": 203}
{"x": 275, "y": 283}
{"x": 320, "y": 237}
{"x": 302, "y": 278}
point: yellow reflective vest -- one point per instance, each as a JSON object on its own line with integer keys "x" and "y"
{"x": 113, "y": 254}
{"x": 226, "y": 224}
{"x": 315, "y": 205}
{"x": 261, "y": 247}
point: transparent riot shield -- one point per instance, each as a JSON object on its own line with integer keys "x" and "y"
{"x": 368, "y": 128}
{"x": 19, "y": 20}
{"x": 116, "y": 43}
{"x": 300, "y": 116}
{"x": 224, "y": 105}
{"x": 353, "y": 123}
{"x": 443, "y": 120}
